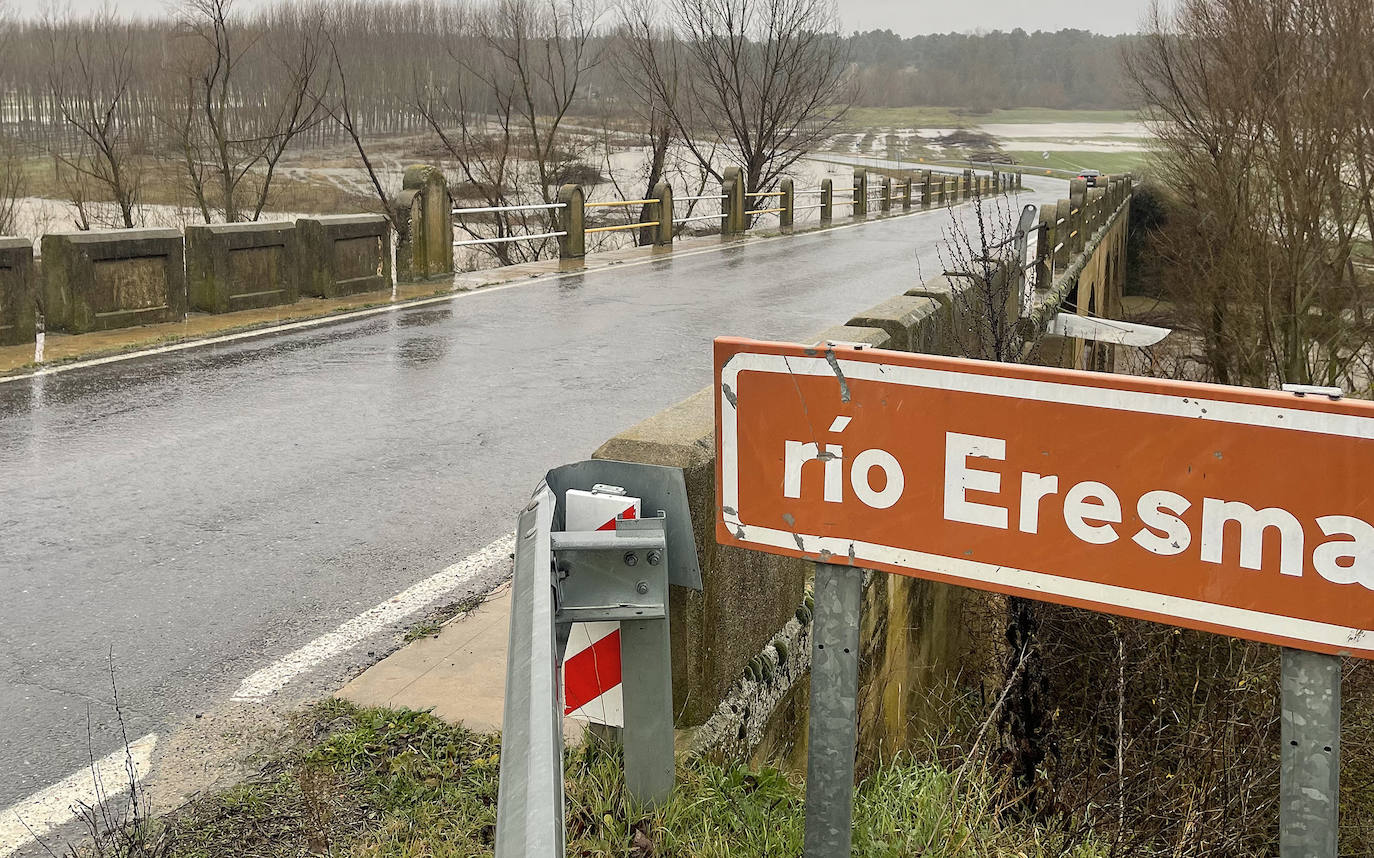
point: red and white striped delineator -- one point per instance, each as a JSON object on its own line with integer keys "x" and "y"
{"x": 591, "y": 663}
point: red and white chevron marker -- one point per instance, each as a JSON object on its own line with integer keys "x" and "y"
{"x": 591, "y": 664}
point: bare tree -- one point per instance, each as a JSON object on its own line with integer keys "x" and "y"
{"x": 521, "y": 66}
{"x": 1262, "y": 110}
{"x": 247, "y": 92}
{"x": 340, "y": 109}
{"x": 764, "y": 77}
{"x": 90, "y": 80}
{"x": 11, "y": 164}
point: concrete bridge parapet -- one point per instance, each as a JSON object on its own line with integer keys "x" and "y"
{"x": 241, "y": 266}
{"x": 95, "y": 281}
{"x": 344, "y": 254}
{"x": 18, "y": 298}
{"x": 423, "y": 214}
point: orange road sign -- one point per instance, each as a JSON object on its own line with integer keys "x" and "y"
{"x": 1239, "y": 511}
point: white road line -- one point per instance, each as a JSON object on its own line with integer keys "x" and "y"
{"x": 276, "y": 676}
{"x": 108, "y": 778}
{"x": 437, "y": 299}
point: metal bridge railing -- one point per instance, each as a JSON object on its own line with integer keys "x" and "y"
{"x": 740, "y": 208}
{"x": 503, "y": 239}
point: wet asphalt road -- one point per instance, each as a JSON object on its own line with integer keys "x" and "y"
{"x": 202, "y": 513}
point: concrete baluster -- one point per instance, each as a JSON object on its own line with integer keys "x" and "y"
{"x": 663, "y": 233}
{"x": 572, "y": 220}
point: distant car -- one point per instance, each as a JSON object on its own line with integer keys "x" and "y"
{"x": 1090, "y": 176}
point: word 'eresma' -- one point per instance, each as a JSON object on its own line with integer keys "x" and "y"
{"x": 1091, "y": 510}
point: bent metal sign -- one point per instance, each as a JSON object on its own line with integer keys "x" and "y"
{"x": 1246, "y": 512}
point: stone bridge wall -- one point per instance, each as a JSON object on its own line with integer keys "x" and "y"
{"x": 241, "y": 266}
{"x": 18, "y": 303}
{"x": 120, "y": 278}
{"x": 741, "y": 648}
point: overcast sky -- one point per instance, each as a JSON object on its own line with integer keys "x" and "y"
{"x": 905, "y": 17}
{"x": 911, "y": 17}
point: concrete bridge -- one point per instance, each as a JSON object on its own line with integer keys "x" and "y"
{"x": 246, "y": 523}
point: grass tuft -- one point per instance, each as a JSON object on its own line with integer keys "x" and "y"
{"x": 378, "y": 783}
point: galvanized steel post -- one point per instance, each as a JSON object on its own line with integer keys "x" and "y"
{"x": 1309, "y": 771}
{"x": 832, "y": 734}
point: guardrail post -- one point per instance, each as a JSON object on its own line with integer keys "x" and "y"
{"x": 860, "y": 192}
{"x": 529, "y": 809}
{"x": 663, "y": 234}
{"x": 1044, "y": 243}
{"x": 787, "y": 202}
{"x": 563, "y": 577}
{"x": 968, "y": 184}
{"x": 827, "y": 200}
{"x": 925, "y": 189}
{"x": 906, "y": 191}
{"x": 571, "y": 219}
{"x": 886, "y": 201}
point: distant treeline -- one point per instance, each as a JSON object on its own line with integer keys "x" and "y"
{"x": 1070, "y": 69}
{"x": 398, "y": 51}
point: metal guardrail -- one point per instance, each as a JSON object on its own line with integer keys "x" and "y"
{"x": 505, "y": 239}
{"x": 617, "y": 227}
{"x": 565, "y": 577}
{"x": 520, "y": 208}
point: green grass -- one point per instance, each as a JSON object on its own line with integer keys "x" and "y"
{"x": 953, "y": 117}
{"x": 1106, "y": 162}
{"x": 424, "y": 629}
{"x": 1045, "y": 114}
{"x": 374, "y": 783}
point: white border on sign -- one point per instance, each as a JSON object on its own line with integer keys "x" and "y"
{"x": 1219, "y": 411}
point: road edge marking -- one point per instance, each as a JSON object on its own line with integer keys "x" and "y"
{"x": 262, "y": 684}
{"x": 105, "y": 779}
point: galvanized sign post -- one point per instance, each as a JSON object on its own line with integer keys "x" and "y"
{"x": 832, "y": 732}
{"x": 1145, "y": 498}
{"x": 1309, "y": 773}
